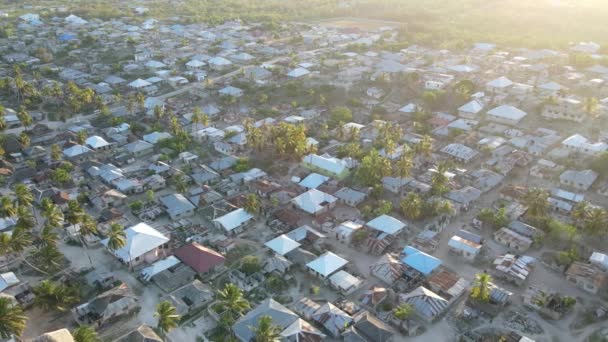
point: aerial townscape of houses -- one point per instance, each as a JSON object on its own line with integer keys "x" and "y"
{"x": 164, "y": 181}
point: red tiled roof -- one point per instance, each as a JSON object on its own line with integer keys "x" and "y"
{"x": 200, "y": 258}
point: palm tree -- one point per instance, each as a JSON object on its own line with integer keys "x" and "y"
{"x": 481, "y": 287}
{"x": 117, "y": 238}
{"x": 403, "y": 312}
{"x": 174, "y": 125}
{"x": 591, "y": 105}
{"x": 48, "y": 237}
{"x": 55, "y": 296}
{"x": 21, "y": 239}
{"x": 25, "y": 218}
{"x": 404, "y": 165}
{"x": 7, "y": 207}
{"x": 75, "y": 213}
{"x": 425, "y": 146}
{"x": 85, "y": 334}
{"x": 48, "y": 258}
{"x": 537, "y": 201}
{"x": 205, "y": 120}
{"x": 24, "y": 117}
{"x": 158, "y": 113}
{"x": 596, "y": 220}
{"x": 88, "y": 226}
{"x": 52, "y": 213}
{"x": 167, "y": 317}
{"x": 5, "y": 243}
{"x": 252, "y": 204}
{"x": 266, "y": 330}
{"x": 24, "y": 195}
{"x": 24, "y": 139}
{"x": 81, "y": 137}
{"x": 411, "y": 206}
{"x": 140, "y": 99}
{"x": 55, "y": 152}
{"x": 439, "y": 179}
{"x": 580, "y": 211}
{"x": 179, "y": 183}
{"x": 12, "y": 319}
{"x": 232, "y": 302}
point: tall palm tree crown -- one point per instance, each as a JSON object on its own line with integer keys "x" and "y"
{"x": 12, "y": 319}
{"x": 85, "y": 334}
{"x": 167, "y": 316}
{"x": 117, "y": 238}
{"x": 266, "y": 330}
{"x": 481, "y": 288}
{"x": 231, "y": 300}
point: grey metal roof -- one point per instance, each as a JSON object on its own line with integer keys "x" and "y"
{"x": 281, "y": 316}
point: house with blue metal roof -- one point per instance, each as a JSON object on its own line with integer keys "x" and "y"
{"x": 419, "y": 261}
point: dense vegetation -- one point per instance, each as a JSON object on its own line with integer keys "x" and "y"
{"x": 450, "y": 24}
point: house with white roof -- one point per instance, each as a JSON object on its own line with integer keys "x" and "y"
{"x": 550, "y": 88}
{"x": 282, "y": 317}
{"x": 345, "y": 230}
{"x": 580, "y": 144}
{"x": 470, "y": 110}
{"x": 326, "y": 165}
{"x": 409, "y": 108}
{"x": 195, "y": 64}
{"x": 506, "y": 114}
{"x": 298, "y": 73}
{"x": 97, "y": 143}
{"x": 344, "y": 282}
{"x": 155, "y": 65}
{"x": 499, "y": 85}
{"x": 139, "y": 84}
{"x": 314, "y": 202}
{"x": 600, "y": 260}
{"x": 144, "y": 244}
{"x": 282, "y": 245}
{"x": 154, "y": 137}
{"x": 78, "y": 153}
{"x": 294, "y": 119}
{"x": 313, "y": 181}
{"x": 386, "y": 224}
{"x": 219, "y": 63}
{"x": 234, "y": 222}
{"x": 7, "y": 280}
{"x": 326, "y": 265}
{"x": 231, "y": 91}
